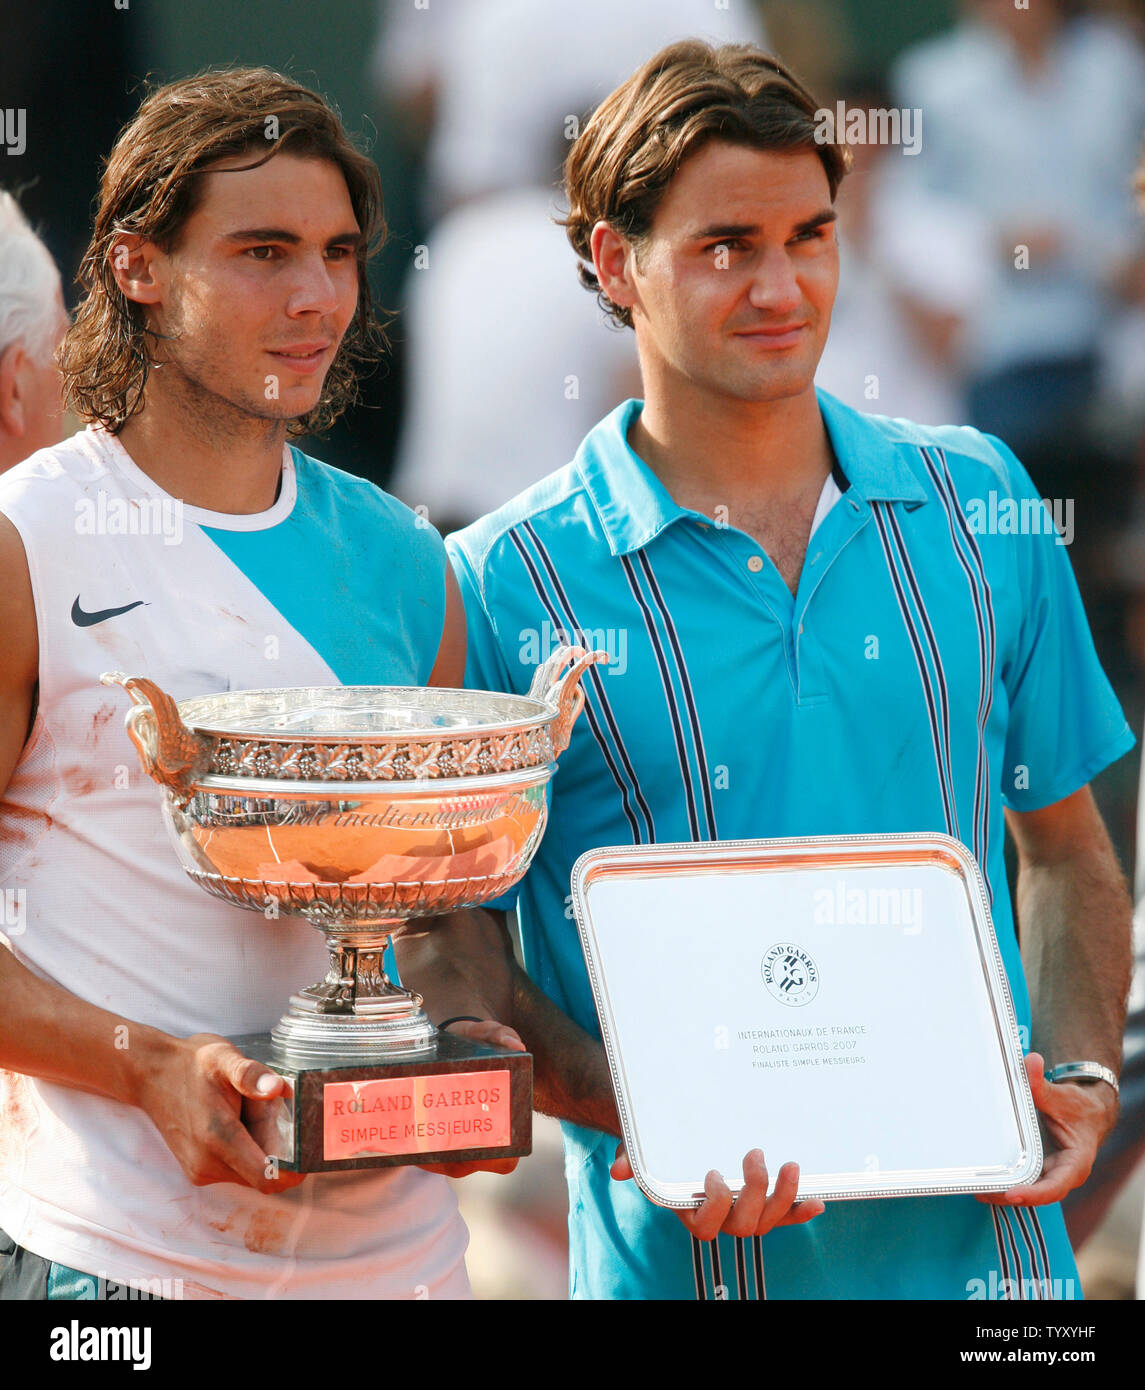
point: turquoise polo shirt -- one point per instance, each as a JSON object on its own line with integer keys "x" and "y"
{"x": 934, "y": 667}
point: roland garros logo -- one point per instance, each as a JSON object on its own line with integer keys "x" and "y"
{"x": 790, "y": 974}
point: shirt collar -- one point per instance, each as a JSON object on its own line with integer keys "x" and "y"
{"x": 634, "y": 506}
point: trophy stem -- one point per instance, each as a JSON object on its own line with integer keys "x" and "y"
{"x": 357, "y": 972}
{"x": 357, "y": 1006}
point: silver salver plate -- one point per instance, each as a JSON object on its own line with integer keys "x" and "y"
{"x": 838, "y": 1002}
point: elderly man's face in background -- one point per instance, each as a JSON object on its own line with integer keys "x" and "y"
{"x": 31, "y": 402}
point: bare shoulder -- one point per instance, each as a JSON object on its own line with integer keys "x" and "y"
{"x": 17, "y": 609}
{"x": 20, "y": 667}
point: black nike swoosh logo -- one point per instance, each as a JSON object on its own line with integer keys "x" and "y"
{"x": 82, "y": 619}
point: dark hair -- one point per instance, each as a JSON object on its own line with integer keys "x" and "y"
{"x": 151, "y": 185}
{"x": 687, "y": 95}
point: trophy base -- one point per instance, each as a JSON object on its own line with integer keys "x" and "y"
{"x": 450, "y": 1100}
{"x": 391, "y": 1024}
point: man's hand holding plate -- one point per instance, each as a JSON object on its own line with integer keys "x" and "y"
{"x": 753, "y": 1212}
{"x": 1075, "y": 1119}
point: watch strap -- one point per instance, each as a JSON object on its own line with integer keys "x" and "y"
{"x": 1082, "y": 1071}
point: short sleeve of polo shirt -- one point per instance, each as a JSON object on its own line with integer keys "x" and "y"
{"x": 1065, "y": 722}
{"x": 485, "y": 667}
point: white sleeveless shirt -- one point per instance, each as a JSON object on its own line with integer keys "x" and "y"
{"x": 336, "y": 583}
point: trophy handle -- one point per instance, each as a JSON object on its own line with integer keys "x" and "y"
{"x": 171, "y": 754}
{"x": 563, "y": 691}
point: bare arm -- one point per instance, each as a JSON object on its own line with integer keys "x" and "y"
{"x": 572, "y": 1077}
{"x": 192, "y": 1088}
{"x": 19, "y": 670}
{"x": 46, "y": 1031}
{"x": 464, "y": 963}
{"x": 1074, "y": 919}
{"x": 1074, "y": 915}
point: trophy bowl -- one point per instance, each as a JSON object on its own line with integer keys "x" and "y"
{"x": 357, "y": 808}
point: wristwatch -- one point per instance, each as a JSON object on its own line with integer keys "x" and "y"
{"x": 1082, "y": 1071}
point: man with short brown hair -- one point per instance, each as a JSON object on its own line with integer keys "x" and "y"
{"x": 817, "y": 641}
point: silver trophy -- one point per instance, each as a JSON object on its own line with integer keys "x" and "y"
{"x": 360, "y": 808}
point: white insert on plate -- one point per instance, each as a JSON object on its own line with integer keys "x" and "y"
{"x": 840, "y": 1002}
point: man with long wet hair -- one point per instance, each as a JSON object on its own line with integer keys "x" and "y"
{"x": 181, "y": 536}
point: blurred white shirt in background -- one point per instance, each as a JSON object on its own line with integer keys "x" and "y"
{"x": 508, "y": 74}
{"x": 510, "y": 360}
{"x": 920, "y": 247}
{"x": 1052, "y": 151}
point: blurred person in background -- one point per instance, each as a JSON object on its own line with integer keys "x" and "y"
{"x": 32, "y": 323}
{"x": 1125, "y": 1147}
{"x": 501, "y": 346}
{"x": 1033, "y": 117}
{"x": 508, "y": 364}
{"x": 899, "y": 321}
{"x": 492, "y": 83}
{"x": 1103, "y": 1261}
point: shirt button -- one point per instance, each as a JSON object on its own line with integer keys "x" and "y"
{"x": 755, "y": 563}
{"x": 801, "y": 629}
